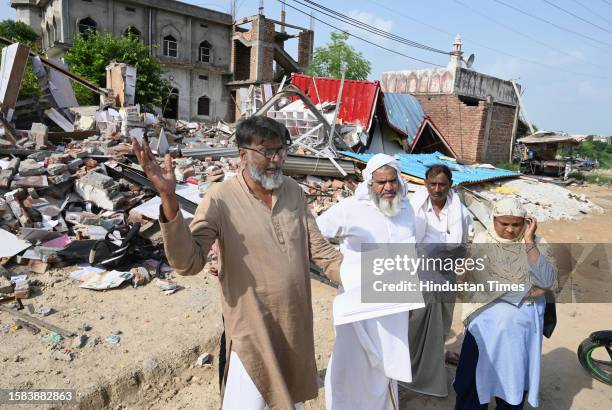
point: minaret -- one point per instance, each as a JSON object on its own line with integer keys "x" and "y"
{"x": 456, "y": 54}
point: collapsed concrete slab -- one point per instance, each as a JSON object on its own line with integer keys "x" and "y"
{"x": 30, "y": 167}
{"x": 100, "y": 189}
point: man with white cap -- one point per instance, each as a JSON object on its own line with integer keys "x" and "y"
{"x": 369, "y": 356}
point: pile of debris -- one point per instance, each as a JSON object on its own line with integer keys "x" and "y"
{"x": 543, "y": 201}
{"x": 76, "y": 196}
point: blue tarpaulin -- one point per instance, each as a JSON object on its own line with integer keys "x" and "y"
{"x": 416, "y": 164}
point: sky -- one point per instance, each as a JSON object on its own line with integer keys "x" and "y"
{"x": 563, "y": 65}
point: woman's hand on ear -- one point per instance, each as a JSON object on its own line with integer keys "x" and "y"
{"x": 530, "y": 229}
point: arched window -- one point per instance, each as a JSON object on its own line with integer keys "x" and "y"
{"x": 170, "y": 47}
{"x": 205, "y": 52}
{"x": 204, "y": 106}
{"x": 132, "y": 31}
{"x": 86, "y": 26}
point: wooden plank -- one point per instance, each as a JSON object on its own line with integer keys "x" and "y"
{"x": 37, "y": 322}
{"x": 14, "y": 60}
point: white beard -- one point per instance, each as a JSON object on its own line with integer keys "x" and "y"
{"x": 389, "y": 207}
{"x": 267, "y": 182}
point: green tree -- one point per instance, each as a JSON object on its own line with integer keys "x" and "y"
{"x": 21, "y": 32}
{"x": 90, "y": 55}
{"x": 327, "y": 61}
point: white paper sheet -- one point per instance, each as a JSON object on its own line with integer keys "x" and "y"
{"x": 106, "y": 280}
{"x": 150, "y": 208}
{"x": 349, "y": 308}
{"x": 84, "y": 270}
{"x": 11, "y": 244}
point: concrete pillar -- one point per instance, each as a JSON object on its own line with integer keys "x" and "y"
{"x": 188, "y": 41}
{"x": 487, "y": 131}
{"x": 305, "y": 47}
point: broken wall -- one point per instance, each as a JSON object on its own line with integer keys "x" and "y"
{"x": 461, "y": 123}
{"x": 305, "y": 47}
{"x": 500, "y": 134}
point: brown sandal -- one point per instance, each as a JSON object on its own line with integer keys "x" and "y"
{"x": 451, "y": 358}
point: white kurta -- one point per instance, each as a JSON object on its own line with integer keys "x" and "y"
{"x": 509, "y": 340}
{"x": 436, "y": 229}
{"x": 368, "y": 355}
{"x": 240, "y": 391}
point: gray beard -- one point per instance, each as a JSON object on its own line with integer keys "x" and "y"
{"x": 389, "y": 207}
{"x": 268, "y": 183}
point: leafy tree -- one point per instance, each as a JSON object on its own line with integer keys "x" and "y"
{"x": 90, "y": 55}
{"x": 327, "y": 61}
{"x": 21, "y": 32}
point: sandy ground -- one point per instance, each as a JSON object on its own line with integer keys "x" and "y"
{"x": 564, "y": 384}
{"x": 161, "y": 337}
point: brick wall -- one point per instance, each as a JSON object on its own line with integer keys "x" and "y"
{"x": 500, "y": 134}
{"x": 461, "y": 125}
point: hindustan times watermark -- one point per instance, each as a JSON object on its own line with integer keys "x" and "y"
{"x": 410, "y": 273}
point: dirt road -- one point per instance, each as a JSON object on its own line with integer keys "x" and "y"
{"x": 161, "y": 337}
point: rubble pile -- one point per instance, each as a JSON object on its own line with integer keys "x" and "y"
{"x": 322, "y": 193}
{"x": 62, "y": 194}
{"x": 543, "y": 201}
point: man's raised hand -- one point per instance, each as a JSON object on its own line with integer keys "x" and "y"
{"x": 163, "y": 179}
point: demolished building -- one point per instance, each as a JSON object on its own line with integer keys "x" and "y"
{"x": 374, "y": 121}
{"x": 477, "y": 113}
{"x": 260, "y": 57}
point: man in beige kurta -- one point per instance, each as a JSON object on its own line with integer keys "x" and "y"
{"x": 265, "y": 254}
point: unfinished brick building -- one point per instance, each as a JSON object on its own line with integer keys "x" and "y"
{"x": 259, "y": 55}
{"x": 476, "y": 113}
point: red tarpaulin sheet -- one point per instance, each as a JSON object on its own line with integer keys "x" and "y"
{"x": 358, "y": 97}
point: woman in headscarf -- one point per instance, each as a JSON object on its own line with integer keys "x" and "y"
{"x": 500, "y": 356}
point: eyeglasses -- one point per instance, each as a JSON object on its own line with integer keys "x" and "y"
{"x": 270, "y": 153}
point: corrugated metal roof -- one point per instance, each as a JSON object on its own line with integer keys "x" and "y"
{"x": 358, "y": 97}
{"x": 404, "y": 114}
{"x": 415, "y": 165}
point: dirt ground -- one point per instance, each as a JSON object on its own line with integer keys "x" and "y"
{"x": 154, "y": 366}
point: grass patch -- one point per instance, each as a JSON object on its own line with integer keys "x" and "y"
{"x": 592, "y": 178}
{"x": 598, "y": 150}
{"x": 509, "y": 166}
